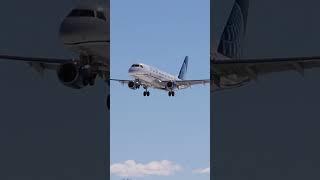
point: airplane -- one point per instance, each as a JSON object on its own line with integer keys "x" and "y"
{"x": 84, "y": 31}
{"x": 147, "y": 76}
{"x": 229, "y": 70}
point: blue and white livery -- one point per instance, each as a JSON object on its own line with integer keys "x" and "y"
{"x": 230, "y": 70}
{"x": 147, "y": 77}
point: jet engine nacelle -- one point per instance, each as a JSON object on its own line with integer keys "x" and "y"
{"x": 170, "y": 85}
{"x": 69, "y": 74}
{"x": 133, "y": 85}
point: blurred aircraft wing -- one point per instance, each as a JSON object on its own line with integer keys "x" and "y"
{"x": 181, "y": 84}
{"x": 121, "y": 81}
{"x": 39, "y": 63}
{"x": 37, "y": 59}
{"x": 260, "y": 66}
{"x": 192, "y": 82}
{"x": 42, "y": 63}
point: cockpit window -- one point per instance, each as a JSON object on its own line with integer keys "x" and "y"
{"x": 137, "y": 65}
{"x": 101, "y": 15}
{"x": 81, "y": 13}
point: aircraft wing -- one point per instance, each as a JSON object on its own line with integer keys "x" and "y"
{"x": 121, "y": 81}
{"x": 36, "y": 59}
{"x": 181, "y": 84}
{"x": 142, "y": 83}
{"x": 192, "y": 82}
{"x": 39, "y": 63}
{"x": 253, "y": 68}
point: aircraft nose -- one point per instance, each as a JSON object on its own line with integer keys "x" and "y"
{"x": 132, "y": 70}
{"x": 82, "y": 29}
{"x": 71, "y": 31}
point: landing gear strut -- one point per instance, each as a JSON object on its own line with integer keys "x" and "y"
{"x": 146, "y": 92}
{"x": 171, "y": 93}
{"x": 89, "y": 80}
{"x": 89, "y": 76}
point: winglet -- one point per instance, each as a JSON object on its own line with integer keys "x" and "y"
{"x": 183, "y": 69}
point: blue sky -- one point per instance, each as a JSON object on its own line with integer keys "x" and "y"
{"x": 149, "y": 130}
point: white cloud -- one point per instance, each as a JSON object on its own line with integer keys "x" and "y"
{"x": 130, "y": 168}
{"x": 202, "y": 171}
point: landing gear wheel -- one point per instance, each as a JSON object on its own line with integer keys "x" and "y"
{"x": 171, "y": 93}
{"x": 92, "y": 80}
{"x": 146, "y": 92}
{"x": 85, "y": 82}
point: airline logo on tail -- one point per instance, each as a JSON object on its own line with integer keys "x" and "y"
{"x": 184, "y": 68}
{"x": 234, "y": 31}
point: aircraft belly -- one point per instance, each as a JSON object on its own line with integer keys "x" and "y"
{"x": 149, "y": 80}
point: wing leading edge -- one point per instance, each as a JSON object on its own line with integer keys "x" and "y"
{"x": 39, "y": 63}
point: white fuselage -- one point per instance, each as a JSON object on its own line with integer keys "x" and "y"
{"x": 150, "y": 75}
{"x": 86, "y": 31}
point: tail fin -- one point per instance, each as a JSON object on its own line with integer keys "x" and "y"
{"x": 233, "y": 33}
{"x": 183, "y": 69}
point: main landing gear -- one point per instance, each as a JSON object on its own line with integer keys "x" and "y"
{"x": 146, "y": 93}
{"x": 171, "y": 93}
{"x": 89, "y": 80}
{"x": 89, "y": 76}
